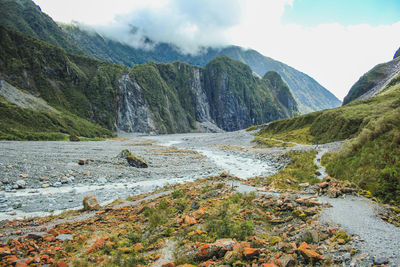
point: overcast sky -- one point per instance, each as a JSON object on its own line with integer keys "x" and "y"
{"x": 333, "y": 41}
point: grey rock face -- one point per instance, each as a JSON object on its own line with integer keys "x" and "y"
{"x": 202, "y": 104}
{"x": 134, "y": 114}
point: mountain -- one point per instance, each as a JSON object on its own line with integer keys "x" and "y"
{"x": 370, "y": 156}
{"x": 26, "y": 17}
{"x": 151, "y": 97}
{"x": 375, "y": 80}
{"x": 310, "y": 95}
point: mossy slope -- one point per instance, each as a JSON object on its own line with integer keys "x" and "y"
{"x": 371, "y": 159}
{"x": 69, "y": 83}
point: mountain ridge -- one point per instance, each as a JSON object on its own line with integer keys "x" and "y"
{"x": 310, "y": 95}
{"x": 152, "y": 97}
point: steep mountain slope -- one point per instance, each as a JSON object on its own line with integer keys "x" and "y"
{"x": 310, "y": 95}
{"x": 26, "y": 17}
{"x": 371, "y": 158}
{"x": 178, "y": 97}
{"x": 152, "y": 97}
{"x": 374, "y": 81}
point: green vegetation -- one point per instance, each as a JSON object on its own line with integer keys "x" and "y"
{"x": 309, "y": 95}
{"x": 25, "y": 16}
{"x": 372, "y": 160}
{"x": 335, "y": 124}
{"x": 21, "y": 124}
{"x": 301, "y": 169}
{"x": 223, "y": 224}
{"x": 366, "y": 83}
{"x": 267, "y": 142}
{"x": 72, "y": 84}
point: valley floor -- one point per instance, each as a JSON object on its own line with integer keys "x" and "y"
{"x": 44, "y": 178}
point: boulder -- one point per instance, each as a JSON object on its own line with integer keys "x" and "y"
{"x": 217, "y": 249}
{"x": 133, "y": 160}
{"x": 74, "y": 138}
{"x": 308, "y": 253}
{"x": 251, "y": 253}
{"x": 90, "y": 203}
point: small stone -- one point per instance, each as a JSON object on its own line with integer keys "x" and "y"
{"x": 90, "y": 203}
{"x": 102, "y": 180}
{"x": 346, "y": 257}
{"x": 21, "y": 184}
{"x": 82, "y": 161}
{"x": 42, "y": 179}
{"x": 64, "y": 237}
{"x": 57, "y": 184}
{"x": 23, "y": 175}
{"x": 45, "y": 185}
{"x": 5, "y": 181}
{"x": 195, "y": 206}
{"x": 380, "y": 260}
{"x": 304, "y": 185}
{"x": 65, "y": 180}
{"x": 86, "y": 173}
{"x": 17, "y": 205}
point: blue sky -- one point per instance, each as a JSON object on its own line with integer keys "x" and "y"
{"x": 345, "y": 12}
{"x": 333, "y": 41}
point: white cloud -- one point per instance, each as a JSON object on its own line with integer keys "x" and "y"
{"x": 335, "y": 55}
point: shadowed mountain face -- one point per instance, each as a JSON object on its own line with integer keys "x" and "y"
{"x": 25, "y": 16}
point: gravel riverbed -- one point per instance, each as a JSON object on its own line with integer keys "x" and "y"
{"x": 41, "y": 178}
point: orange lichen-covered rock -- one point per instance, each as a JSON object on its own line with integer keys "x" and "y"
{"x": 309, "y": 253}
{"x": 250, "y": 253}
{"x": 190, "y": 220}
{"x": 168, "y": 264}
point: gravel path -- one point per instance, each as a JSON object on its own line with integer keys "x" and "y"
{"x": 357, "y": 215}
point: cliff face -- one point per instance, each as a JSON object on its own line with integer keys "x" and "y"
{"x": 134, "y": 114}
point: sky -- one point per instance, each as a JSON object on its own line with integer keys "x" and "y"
{"x": 333, "y": 41}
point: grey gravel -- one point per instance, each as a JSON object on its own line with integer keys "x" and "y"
{"x": 357, "y": 215}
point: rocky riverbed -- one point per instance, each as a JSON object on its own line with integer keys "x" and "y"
{"x": 41, "y": 178}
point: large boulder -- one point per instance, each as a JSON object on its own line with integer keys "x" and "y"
{"x": 133, "y": 160}
{"x": 90, "y": 203}
{"x": 74, "y": 138}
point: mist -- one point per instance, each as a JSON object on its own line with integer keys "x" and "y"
{"x": 189, "y": 25}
